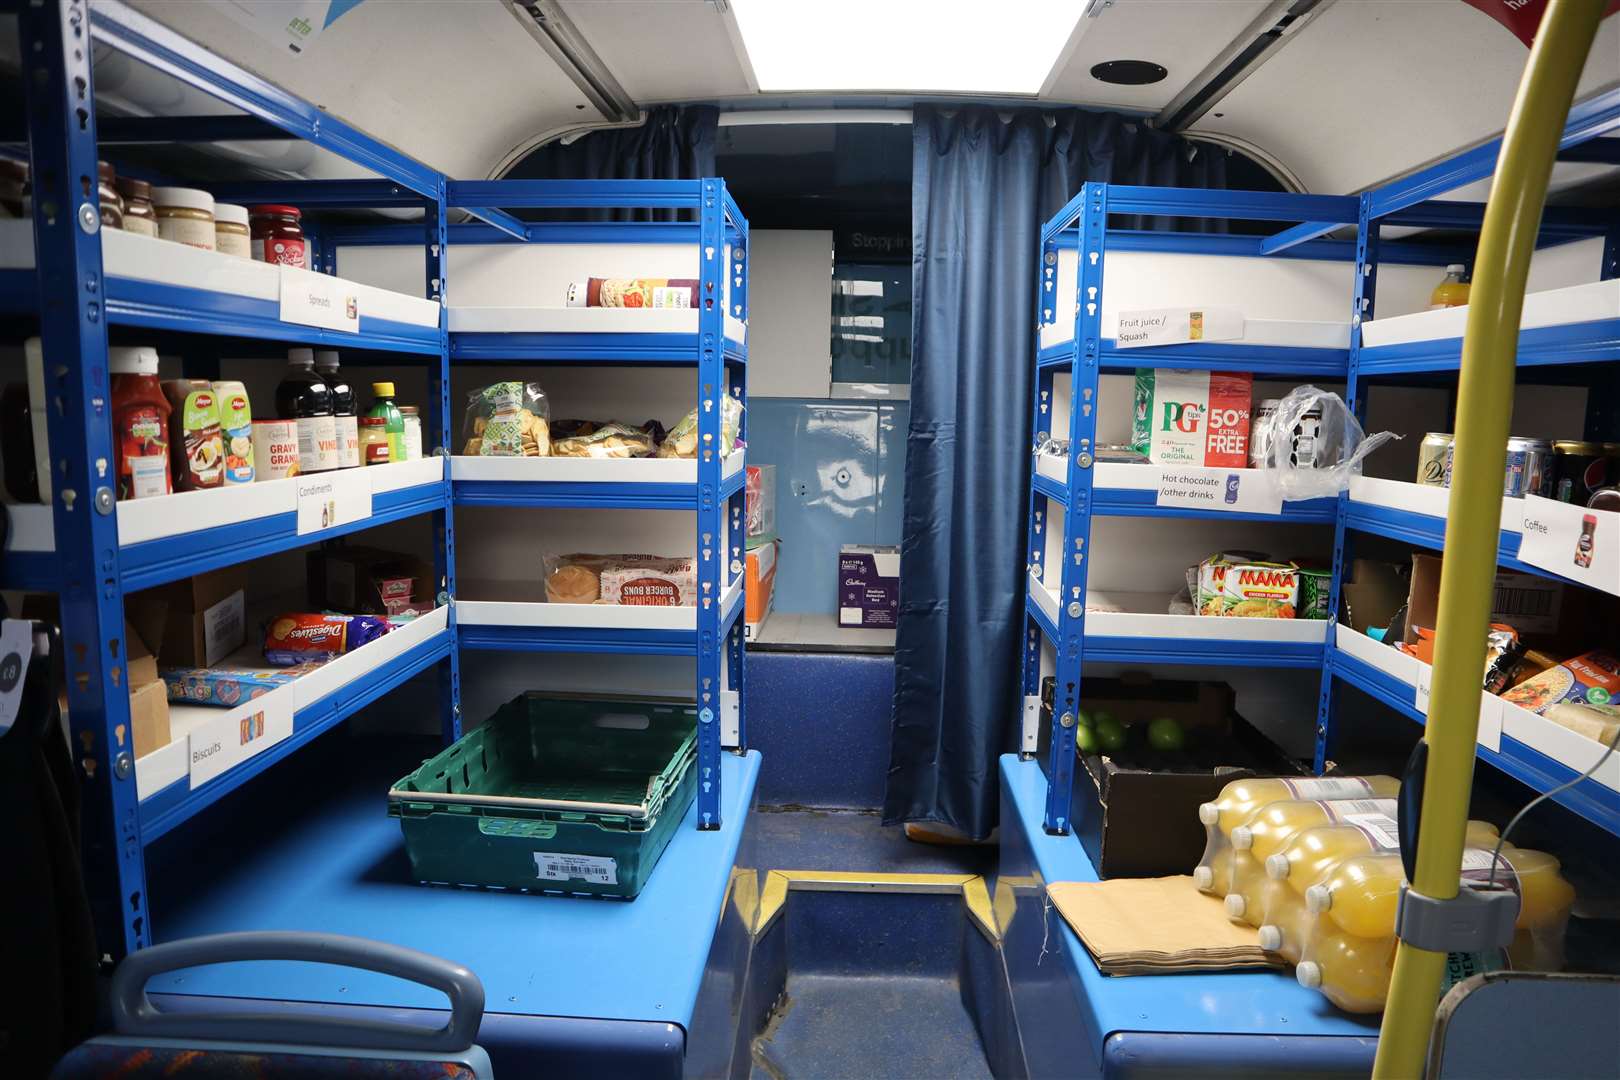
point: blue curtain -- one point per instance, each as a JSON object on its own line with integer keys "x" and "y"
{"x": 983, "y": 181}
{"x": 674, "y": 143}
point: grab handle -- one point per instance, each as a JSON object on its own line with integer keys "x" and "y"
{"x": 135, "y": 1014}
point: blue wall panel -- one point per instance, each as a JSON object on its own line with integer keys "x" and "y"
{"x": 839, "y": 479}
{"x": 821, "y": 722}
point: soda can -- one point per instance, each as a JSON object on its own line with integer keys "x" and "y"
{"x": 1434, "y": 459}
{"x": 1232, "y": 487}
{"x": 1529, "y": 468}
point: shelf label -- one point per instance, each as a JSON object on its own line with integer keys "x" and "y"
{"x": 329, "y": 499}
{"x": 1235, "y": 491}
{"x": 217, "y": 746}
{"x": 311, "y": 299}
{"x": 1490, "y": 722}
{"x": 1420, "y": 697}
{"x": 16, "y": 648}
{"x": 1573, "y": 542}
{"x": 1176, "y": 326}
{"x": 593, "y": 869}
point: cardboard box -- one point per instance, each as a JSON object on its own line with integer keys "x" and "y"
{"x": 1186, "y": 417}
{"x": 1136, "y": 811}
{"x": 369, "y": 581}
{"x": 759, "y": 505}
{"x": 148, "y": 696}
{"x": 868, "y": 586}
{"x": 1531, "y": 604}
{"x": 1373, "y": 594}
{"x": 759, "y": 583}
{"x": 203, "y": 619}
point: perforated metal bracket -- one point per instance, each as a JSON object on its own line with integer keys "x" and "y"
{"x": 1476, "y": 920}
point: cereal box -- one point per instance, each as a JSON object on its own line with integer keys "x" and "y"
{"x": 1192, "y": 417}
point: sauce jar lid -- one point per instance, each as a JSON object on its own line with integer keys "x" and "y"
{"x": 230, "y": 212}
{"x": 132, "y": 188}
{"x": 276, "y": 211}
{"x": 132, "y": 360}
{"x": 183, "y": 198}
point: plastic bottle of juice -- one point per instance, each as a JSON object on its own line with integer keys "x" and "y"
{"x": 1241, "y": 798}
{"x": 1265, "y": 832}
{"x": 1452, "y": 290}
{"x": 1351, "y": 972}
{"x": 1214, "y": 874}
{"x": 1288, "y": 927}
{"x": 393, "y": 420}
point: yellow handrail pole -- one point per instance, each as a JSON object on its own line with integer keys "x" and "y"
{"x": 1484, "y": 408}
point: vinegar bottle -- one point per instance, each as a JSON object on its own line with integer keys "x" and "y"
{"x": 305, "y": 399}
{"x": 344, "y": 422}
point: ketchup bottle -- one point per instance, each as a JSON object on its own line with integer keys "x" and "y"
{"x": 140, "y": 414}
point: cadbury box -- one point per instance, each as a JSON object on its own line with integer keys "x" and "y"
{"x": 868, "y": 586}
{"x": 1135, "y": 811}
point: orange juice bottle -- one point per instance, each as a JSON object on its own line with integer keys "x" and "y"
{"x": 1308, "y": 857}
{"x": 1352, "y": 972}
{"x": 1264, "y": 832}
{"x": 1452, "y": 290}
{"x": 1241, "y": 798}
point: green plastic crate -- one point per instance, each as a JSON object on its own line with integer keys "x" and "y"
{"x": 577, "y": 794}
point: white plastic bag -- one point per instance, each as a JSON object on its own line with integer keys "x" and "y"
{"x": 1313, "y": 444}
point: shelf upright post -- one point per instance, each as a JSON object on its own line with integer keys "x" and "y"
{"x": 737, "y": 638}
{"x": 1610, "y": 267}
{"x": 1076, "y": 549}
{"x": 444, "y": 523}
{"x": 1030, "y": 684}
{"x": 55, "y": 47}
{"x": 1364, "y": 293}
{"x": 711, "y": 522}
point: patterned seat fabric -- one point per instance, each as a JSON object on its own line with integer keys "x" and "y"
{"x": 95, "y": 1061}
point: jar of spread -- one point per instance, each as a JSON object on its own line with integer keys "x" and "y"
{"x": 14, "y": 200}
{"x": 277, "y": 235}
{"x": 140, "y": 413}
{"x": 412, "y": 416}
{"x": 231, "y": 230}
{"x": 374, "y": 440}
{"x": 185, "y": 215}
{"x": 139, "y": 216}
{"x": 112, "y": 203}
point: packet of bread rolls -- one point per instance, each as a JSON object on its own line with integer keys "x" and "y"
{"x": 634, "y": 580}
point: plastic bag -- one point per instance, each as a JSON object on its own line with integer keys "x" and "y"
{"x": 1313, "y": 444}
{"x": 507, "y": 419}
{"x": 682, "y": 441}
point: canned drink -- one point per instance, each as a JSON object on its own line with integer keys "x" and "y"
{"x": 1307, "y": 440}
{"x": 1232, "y": 487}
{"x": 1528, "y": 469}
{"x": 1579, "y": 469}
{"x": 275, "y": 449}
{"x": 1434, "y": 459}
{"x": 1259, "y": 430}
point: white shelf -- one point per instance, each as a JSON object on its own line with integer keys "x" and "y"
{"x": 1045, "y": 598}
{"x": 1056, "y": 467}
{"x": 1288, "y": 333}
{"x": 1423, "y": 499}
{"x": 169, "y": 764}
{"x": 163, "y": 262}
{"x": 544, "y": 320}
{"x": 574, "y": 470}
{"x": 521, "y": 613}
{"x": 1553, "y": 307}
{"x": 1131, "y": 615}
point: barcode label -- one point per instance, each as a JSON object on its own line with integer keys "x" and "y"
{"x": 1381, "y": 829}
{"x": 1319, "y": 788}
{"x": 1476, "y": 867}
{"x": 1534, "y": 602}
{"x": 1343, "y": 809}
{"x": 594, "y": 869}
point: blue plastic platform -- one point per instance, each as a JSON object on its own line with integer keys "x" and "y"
{"x": 340, "y": 866}
{"x": 1074, "y": 1020}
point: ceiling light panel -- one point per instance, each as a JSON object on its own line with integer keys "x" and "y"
{"x": 917, "y": 46}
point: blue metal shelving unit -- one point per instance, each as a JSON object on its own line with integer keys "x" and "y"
{"x": 74, "y": 302}
{"x": 719, "y": 235}
{"x": 1084, "y": 493}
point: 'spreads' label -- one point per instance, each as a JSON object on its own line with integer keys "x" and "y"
{"x": 1233, "y": 491}
{"x": 1573, "y": 542}
{"x": 219, "y": 745}
{"x": 1174, "y": 326}
{"x": 331, "y": 499}
{"x": 592, "y": 869}
{"x": 311, "y": 299}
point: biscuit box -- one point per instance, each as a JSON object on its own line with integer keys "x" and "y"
{"x": 868, "y": 586}
{"x": 1192, "y": 417}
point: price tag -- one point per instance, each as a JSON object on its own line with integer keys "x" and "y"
{"x": 593, "y": 869}
{"x": 16, "y": 649}
{"x": 1425, "y": 677}
{"x": 218, "y": 746}
{"x": 311, "y": 299}
{"x": 329, "y": 499}
{"x": 1175, "y": 326}
{"x": 1573, "y": 542}
{"x": 1235, "y": 491}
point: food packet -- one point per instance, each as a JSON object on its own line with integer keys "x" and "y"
{"x": 682, "y": 441}
{"x": 301, "y": 638}
{"x": 633, "y": 580}
{"x": 507, "y": 419}
{"x": 612, "y": 440}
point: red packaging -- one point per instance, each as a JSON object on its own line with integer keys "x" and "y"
{"x": 1226, "y": 440}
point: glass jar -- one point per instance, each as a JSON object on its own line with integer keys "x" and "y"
{"x": 374, "y": 440}
{"x": 412, "y": 415}
{"x": 112, "y": 203}
{"x": 231, "y": 230}
{"x": 14, "y": 200}
{"x": 277, "y": 235}
{"x": 139, "y": 216}
{"x": 185, "y": 215}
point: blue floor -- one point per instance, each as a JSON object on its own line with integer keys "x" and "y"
{"x": 855, "y": 841}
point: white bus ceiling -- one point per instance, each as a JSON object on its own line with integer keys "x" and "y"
{"x": 1354, "y": 93}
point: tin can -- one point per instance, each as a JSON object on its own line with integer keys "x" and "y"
{"x": 1578, "y": 469}
{"x": 1260, "y": 432}
{"x": 1307, "y": 440}
{"x": 1231, "y": 488}
{"x": 1434, "y": 459}
{"x": 1528, "y": 469}
{"x": 275, "y": 449}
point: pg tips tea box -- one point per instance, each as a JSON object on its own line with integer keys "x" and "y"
{"x": 1192, "y": 417}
